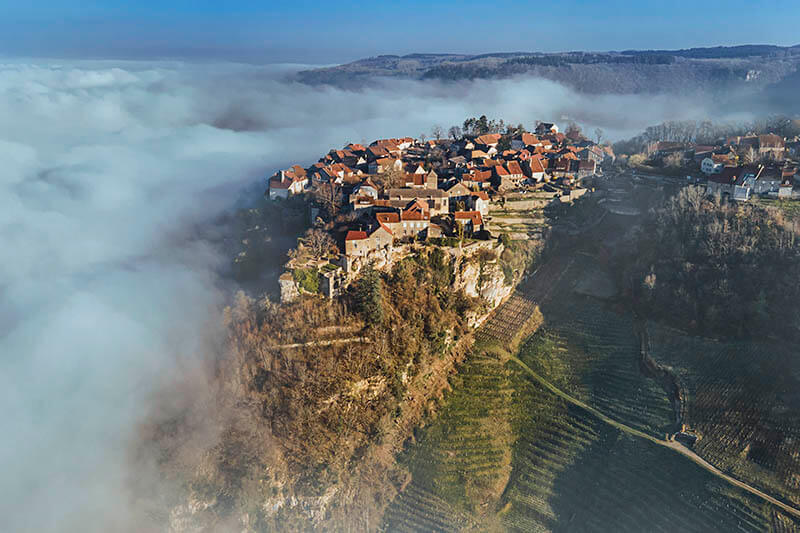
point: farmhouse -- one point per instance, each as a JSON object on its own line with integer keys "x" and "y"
{"x": 361, "y": 244}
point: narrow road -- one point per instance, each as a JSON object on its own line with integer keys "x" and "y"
{"x": 674, "y": 446}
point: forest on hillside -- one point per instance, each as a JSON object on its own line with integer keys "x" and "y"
{"x": 717, "y": 268}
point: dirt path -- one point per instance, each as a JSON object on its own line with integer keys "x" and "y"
{"x": 672, "y": 445}
{"x": 320, "y": 343}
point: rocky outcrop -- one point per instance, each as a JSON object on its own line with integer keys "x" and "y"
{"x": 289, "y": 290}
{"x": 478, "y": 272}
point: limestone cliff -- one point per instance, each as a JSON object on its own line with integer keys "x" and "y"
{"x": 287, "y": 380}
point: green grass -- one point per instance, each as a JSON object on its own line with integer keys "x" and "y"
{"x": 789, "y": 208}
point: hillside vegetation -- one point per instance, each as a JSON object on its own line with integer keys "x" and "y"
{"x": 717, "y": 69}
{"x": 717, "y": 268}
{"x": 323, "y": 393}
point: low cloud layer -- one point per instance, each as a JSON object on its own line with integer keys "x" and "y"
{"x": 105, "y": 292}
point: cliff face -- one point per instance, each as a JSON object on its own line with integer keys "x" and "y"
{"x": 479, "y": 273}
{"x": 303, "y": 401}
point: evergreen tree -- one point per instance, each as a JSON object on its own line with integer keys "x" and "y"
{"x": 369, "y": 295}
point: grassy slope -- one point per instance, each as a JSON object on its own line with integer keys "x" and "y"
{"x": 569, "y": 470}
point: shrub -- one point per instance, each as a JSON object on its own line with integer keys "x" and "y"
{"x": 307, "y": 279}
{"x": 508, "y": 274}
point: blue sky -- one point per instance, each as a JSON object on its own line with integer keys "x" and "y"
{"x": 320, "y": 32}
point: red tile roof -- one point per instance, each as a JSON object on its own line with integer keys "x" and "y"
{"x": 355, "y": 235}
{"x": 536, "y": 165}
{"x": 388, "y": 218}
{"x": 488, "y": 138}
{"x": 378, "y": 151}
{"x": 514, "y": 168}
{"x": 276, "y": 182}
{"x": 414, "y": 179}
{"x": 473, "y": 216}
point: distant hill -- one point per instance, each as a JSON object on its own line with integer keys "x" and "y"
{"x": 716, "y": 69}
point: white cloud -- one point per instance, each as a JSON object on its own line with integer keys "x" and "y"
{"x": 103, "y": 292}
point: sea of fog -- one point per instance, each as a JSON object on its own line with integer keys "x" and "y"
{"x": 106, "y": 291}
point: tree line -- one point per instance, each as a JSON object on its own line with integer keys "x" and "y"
{"x": 707, "y": 132}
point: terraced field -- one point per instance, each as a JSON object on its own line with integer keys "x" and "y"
{"x": 463, "y": 459}
{"x": 520, "y": 219}
{"x": 507, "y": 454}
{"x": 743, "y": 400}
{"x": 572, "y": 472}
{"x": 594, "y": 356}
{"x": 507, "y": 321}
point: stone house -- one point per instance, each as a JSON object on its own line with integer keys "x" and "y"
{"x": 458, "y": 193}
{"x": 285, "y": 183}
{"x": 471, "y": 221}
{"x": 479, "y": 201}
{"x": 438, "y": 201}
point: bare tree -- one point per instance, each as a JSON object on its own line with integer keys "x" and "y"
{"x": 422, "y": 137}
{"x": 392, "y": 178}
{"x": 318, "y": 242}
{"x": 599, "y": 133}
{"x": 749, "y": 155}
{"x": 454, "y": 132}
{"x": 330, "y": 198}
{"x": 573, "y": 130}
{"x": 437, "y": 132}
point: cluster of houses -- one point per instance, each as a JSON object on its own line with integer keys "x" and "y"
{"x": 402, "y": 190}
{"x": 742, "y": 166}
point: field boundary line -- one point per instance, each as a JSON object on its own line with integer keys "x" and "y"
{"x": 674, "y": 446}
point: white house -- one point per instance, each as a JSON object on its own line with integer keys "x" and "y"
{"x": 708, "y": 166}
{"x": 285, "y": 183}
{"x": 479, "y": 201}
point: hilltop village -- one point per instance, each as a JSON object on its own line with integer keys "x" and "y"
{"x": 740, "y": 166}
{"x": 378, "y": 203}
